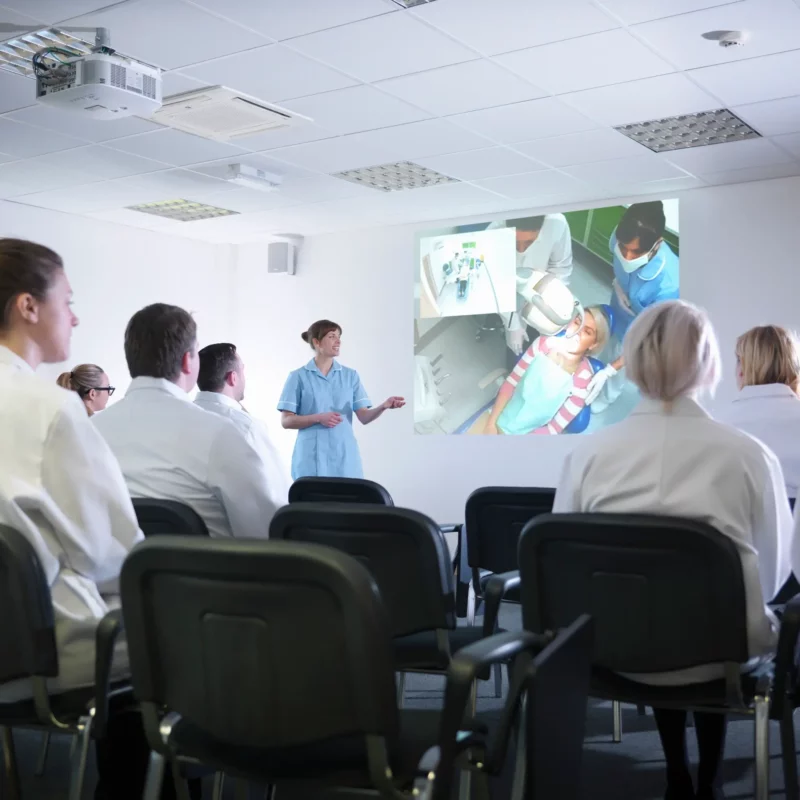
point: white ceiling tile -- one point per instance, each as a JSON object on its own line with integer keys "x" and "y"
{"x": 219, "y": 167}
{"x": 359, "y": 108}
{"x": 506, "y": 25}
{"x": 632, "y": 12}
{"x": 639, "y": 101}
{"x": 522, "y": 122}
{"x": 272, "y": 73}
{"x": 773, "y": 117}
{"x": 477, "y": 164}
{"x": 98, "y": 163}
{"x": 431, "y": 137}
{"x": 532, "y": 184}
{"x": 731, "y": 155}
{"x": 25, "y": 177}
{"x": 625, "y": 171}
{"x": 281, "y": 20}
{"x": 25, "y": 141}
{"x": 84, "y": 199}
{"x": 284, "y": 137}
{"x": 596, "y": 60}
{"x": 790, "y": 142}
{"x": 663, "y": 188}
{"x": 764, "y": 173}
{"x": 5, "y": 158}
{"x": 462, "y": 87}
{"x": 81, "y": 128}
{"x": 334, "y": 155}
{"x": 754, "y": 80}
{"x": 323, "y": 187}
{"x": 51, "y": 11}
{"x": 18, "y": 23}
{"x": 383, "y": 47}
{"x": 245, "y": 201}
{"x": 602, "y": 144}
{"x": 176, "y": 147}
{"x": 136, "y": 219}
{"x": 170, "y": 33}
{"x": 773, "y": 25}
{"x": 176, "y": 82}
{"x": 175, "y": 183}
{"x": 16, "y": 91}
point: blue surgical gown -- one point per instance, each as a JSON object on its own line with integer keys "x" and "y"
{"x": 656, "y": 281}
{"x": 321, "y": 451}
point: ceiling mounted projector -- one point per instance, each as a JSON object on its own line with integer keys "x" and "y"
{"x": 102, "y": 84}
{"x": 253, "y": 178}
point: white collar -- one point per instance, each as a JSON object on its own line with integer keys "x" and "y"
{"x": 159, "y": 384}
{"x": 682, "y": 407}
{"x": 13, "y": 360}
{"x": 218, "y": 397}
{"x": 765, "y": 390}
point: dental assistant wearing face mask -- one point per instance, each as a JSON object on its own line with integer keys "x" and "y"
{"x": 319, "y": 400}
{"x": 646, "y": 271}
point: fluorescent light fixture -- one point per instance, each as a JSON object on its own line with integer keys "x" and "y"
{"x": 689, "y": 130}
{"x": 17, "y": 54}
{"x": 253, "y": 178}
{"x": 395, "y": 177}
{"x": 182, "y": 210}
{"x": 412, "y": 3}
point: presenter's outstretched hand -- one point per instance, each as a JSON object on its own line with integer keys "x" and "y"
{"x": 393, "y": 402}
{"x": 330, "y": 419}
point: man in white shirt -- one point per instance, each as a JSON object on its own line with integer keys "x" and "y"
{"x": 221, "y": 382}
{"x": 171, "y": 449}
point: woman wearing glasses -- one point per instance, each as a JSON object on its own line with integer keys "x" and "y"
{"x": 91, "y": 384}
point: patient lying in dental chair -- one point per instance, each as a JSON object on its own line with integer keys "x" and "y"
{"x": 546, "y": 391}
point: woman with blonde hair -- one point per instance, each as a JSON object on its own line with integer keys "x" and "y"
{"x": 768, "y": 405}
{"x": 669, "y": 457}
{"x": 91, "y": 384}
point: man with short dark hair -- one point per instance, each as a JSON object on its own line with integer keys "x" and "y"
{"x": 169, "y": 448}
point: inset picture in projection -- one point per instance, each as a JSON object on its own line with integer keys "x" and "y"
{"x": 537, "y": 348}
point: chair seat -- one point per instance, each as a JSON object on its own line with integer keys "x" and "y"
{"x": 341, "y": 761}
{"x": 420, "y": 651}
{"x": 511, "y": 596}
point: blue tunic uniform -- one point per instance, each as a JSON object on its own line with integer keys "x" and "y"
{"x": 321, "y": 451}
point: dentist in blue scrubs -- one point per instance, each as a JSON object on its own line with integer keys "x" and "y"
{"x": 646, "y": 271}
{"x": 319, "y": 400}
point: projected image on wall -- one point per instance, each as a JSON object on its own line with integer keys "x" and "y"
{"x": 461, "y": 275}
{"x": 549, "y": 362}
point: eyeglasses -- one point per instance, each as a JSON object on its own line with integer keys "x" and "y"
{"x": 109, "y": 389}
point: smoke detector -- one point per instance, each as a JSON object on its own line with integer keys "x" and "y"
{"x": 728, "y": 38}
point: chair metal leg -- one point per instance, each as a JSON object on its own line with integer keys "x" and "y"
{"x": 471, "y": 603}
{"x": 41, "y": 764}
{"x": 616, "y": 711}
{"x": 219, "y": 786}
{"x": 762, "y": 746}
{"x": 79, "y": 758}
{"x": 181, "y": 787}
{"x": 401, "y": 688}
{"x": 498, "y": 680}
{"x": 789, "y": 755}
{"x": 155, "y": 776}
{"x": 12, "y": 791}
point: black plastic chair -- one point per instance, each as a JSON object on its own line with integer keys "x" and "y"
{"x": 27, "y": 630}
{"x": 338, "y": 490}
{"x": 168, "y": 517}
{"x": 665, "y": 594}
{"x": 272, "y": 661}
{"x": 406, "y": 553}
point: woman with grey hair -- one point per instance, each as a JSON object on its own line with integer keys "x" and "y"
{"x": 670, "y": 457}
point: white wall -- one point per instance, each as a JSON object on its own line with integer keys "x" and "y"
{"x": 737, "y": 260}
{"x": 115, "y": 270}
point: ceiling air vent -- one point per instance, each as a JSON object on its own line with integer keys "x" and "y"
{"x": 220, "y": 113}
{"x": 395, "y": 177}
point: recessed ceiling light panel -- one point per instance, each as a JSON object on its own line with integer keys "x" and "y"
{"x": 395, "y": 177}
{"x": 182, "y": 210}
{"x": 689, "y": 130}
{"x": 17, "y": 54}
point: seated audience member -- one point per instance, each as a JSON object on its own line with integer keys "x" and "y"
{"x": 61, "y": 487}
{"x": 768, "y": 406}
{"x": 221, "y": 382}
{"x": 91, "y": 384}
{"x": 169, "y": 448}
{"x": 670, "y": 457}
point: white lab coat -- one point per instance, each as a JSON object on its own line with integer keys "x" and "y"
{"x": 61, "y": 487}
{"x": 683, "y": 463}
{"x": 170, "y": 449}
{"x": 256, "y": 434}
{"x": 771, "y": 413}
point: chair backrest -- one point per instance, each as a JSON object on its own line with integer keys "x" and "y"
{"x": 338, "y": 490}
{"x": 159, "y": 517}
{"x": 263, "y": 644}
{"x": 27, "y": 629}
{"x": 665, "y": 593}
{"x": 404, "y": 550}
{"x": 494, "y": 519}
